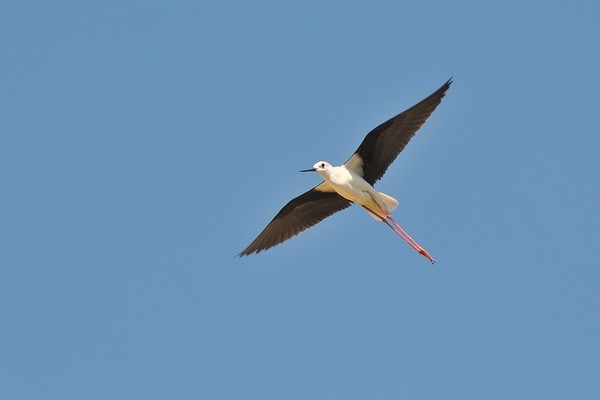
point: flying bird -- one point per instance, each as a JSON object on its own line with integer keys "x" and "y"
{"x": 352, "y": 182}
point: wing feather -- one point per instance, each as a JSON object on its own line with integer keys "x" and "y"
{"x": 382, "y": 145}
{"x": 299, "y": 214}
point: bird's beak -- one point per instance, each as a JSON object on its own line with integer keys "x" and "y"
{"x": 309, "y": 170}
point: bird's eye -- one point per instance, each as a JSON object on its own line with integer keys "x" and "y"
{"x": 322, "y": 165}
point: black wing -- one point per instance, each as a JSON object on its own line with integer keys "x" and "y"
{"x": 382, "y": 145}
{"x": 299, "y": 214}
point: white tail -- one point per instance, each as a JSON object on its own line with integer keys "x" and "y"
{"x": 388, "y": 203}
{"x": 385, "y": 202}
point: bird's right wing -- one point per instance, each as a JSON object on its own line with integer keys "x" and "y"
{"x": 299, "y": 214}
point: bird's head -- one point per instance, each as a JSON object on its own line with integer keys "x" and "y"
{"x": 322, "y": 168}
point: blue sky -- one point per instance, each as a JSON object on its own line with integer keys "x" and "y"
{"x": 144, "y": 144}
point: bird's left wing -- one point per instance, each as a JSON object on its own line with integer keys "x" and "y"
{"x": 382, "y": 145}
{"x": 299, "y": 214}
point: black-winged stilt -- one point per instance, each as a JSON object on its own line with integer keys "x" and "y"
{"x": 352, "y": 182}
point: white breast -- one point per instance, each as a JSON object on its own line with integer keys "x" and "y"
{"x": 349, "y": 185}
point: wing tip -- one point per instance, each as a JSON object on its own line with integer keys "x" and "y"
{"x": 442, "y": 90}
{"x": 247, "y": 253}
{"x": 250, "y": 250}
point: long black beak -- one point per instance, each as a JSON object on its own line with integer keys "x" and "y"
{"x": 309, "y": 170}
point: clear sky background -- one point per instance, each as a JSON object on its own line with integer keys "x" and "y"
{"x": 143, "y": 144}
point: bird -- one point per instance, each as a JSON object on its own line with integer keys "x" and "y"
{"x": 352, "y": 182}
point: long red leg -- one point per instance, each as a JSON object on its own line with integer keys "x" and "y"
{"x": 402, "y": 233}
{"x": 412, "y": 242}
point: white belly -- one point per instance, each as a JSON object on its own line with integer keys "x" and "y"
{"x": 351, "y": 186}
